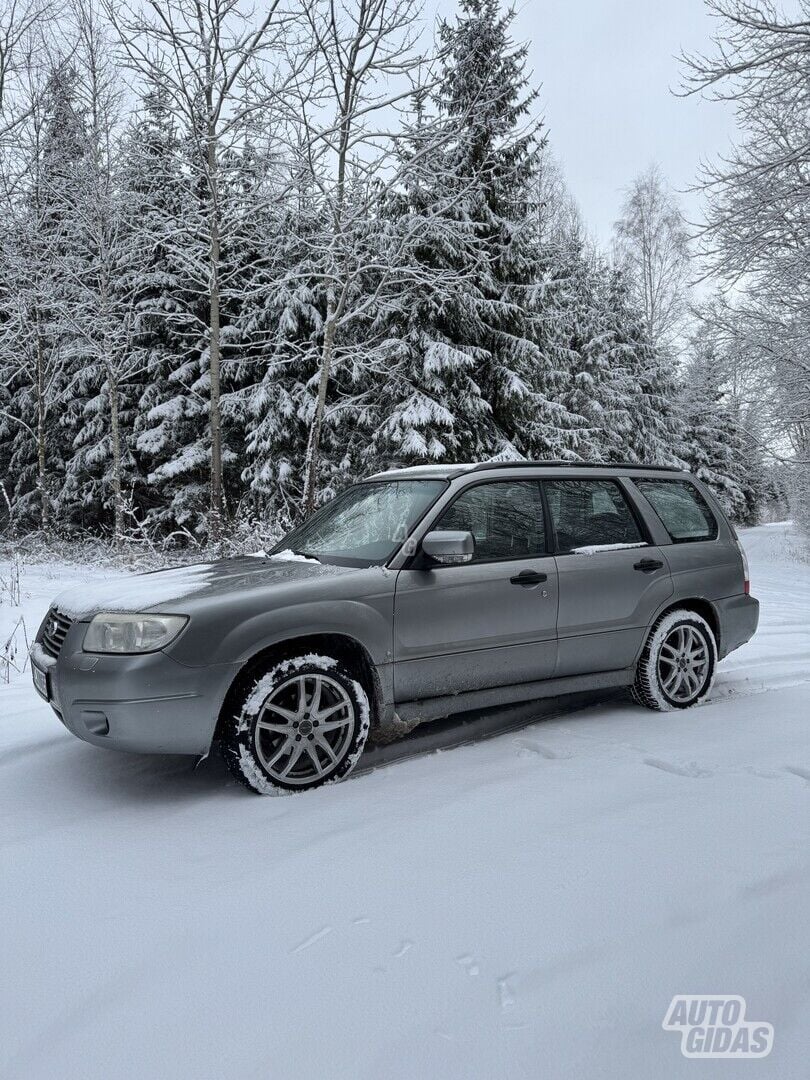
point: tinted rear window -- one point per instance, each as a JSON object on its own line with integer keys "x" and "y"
{"x": 682, "y": 509}
{"x": 590, "y": 513}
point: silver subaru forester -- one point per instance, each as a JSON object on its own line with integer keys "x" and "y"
{"x": 418, "y": 593}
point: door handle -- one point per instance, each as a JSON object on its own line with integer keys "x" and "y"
{"x": 648, "y": 566}
{"x": 529, "y": 577}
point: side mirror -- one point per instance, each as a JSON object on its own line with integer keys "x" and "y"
{"x": 449, "y": 548}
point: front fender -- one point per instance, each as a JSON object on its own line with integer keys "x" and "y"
{"x": 261, "y": 630}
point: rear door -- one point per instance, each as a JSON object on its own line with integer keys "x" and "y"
{"x": 703, "y": 557}
{"x": 612, "y": 581}
{"x": 491, "y": 622}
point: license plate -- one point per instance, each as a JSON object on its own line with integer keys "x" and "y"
{"x": 40, "y": 681}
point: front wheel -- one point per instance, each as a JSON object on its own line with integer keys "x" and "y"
{"x": 677, "y": 666}
{"x": 301, "y": 724}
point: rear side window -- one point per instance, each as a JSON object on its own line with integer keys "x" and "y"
{"x": 506, "y": 519}
{"x": 683, "y": 510}
{"x": 591, "y": 513}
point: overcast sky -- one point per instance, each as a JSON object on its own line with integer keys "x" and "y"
{"x": 607, "y": 68}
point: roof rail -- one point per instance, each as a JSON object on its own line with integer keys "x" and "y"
{"x": 614, "y": 466}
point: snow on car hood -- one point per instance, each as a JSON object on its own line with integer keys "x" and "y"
{"x": 143, "y": 592}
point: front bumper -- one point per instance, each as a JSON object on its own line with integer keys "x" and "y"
{"x": 739, "y": 619}
{"x": 148, "y": 704}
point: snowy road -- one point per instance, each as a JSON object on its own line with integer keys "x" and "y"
{"x": 523, "y": 907}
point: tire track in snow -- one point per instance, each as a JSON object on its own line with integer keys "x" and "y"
{"x": 693, "y": 771}
{"x": 313, "y": 939}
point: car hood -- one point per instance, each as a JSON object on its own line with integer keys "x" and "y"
{"x": 163, "y": 588}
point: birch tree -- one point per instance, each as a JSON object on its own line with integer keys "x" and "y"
{"x": 756, "y": 234}
{"x": 367, "y": 68}
{"x": 651, "y": 246}
{"x": 96, "y": 297}
{"x": 213, "y": 62}
{"x": 21, "y": 23}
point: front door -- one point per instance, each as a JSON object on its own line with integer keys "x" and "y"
{"x": 611, "y": 580}
{"x": 491, "y": 622}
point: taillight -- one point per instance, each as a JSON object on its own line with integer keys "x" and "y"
{"x": 746, "y": 571}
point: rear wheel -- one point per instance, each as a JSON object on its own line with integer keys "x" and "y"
{"x": 301, "y": 724}
{"x": 677, "y": 666}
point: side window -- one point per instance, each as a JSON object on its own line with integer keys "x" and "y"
{"x": 505, "y": 518}
{"x": 682, "y": 509}
{"x": 590, "y": 513}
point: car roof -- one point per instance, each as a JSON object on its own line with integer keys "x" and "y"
{"x": 440, "y": 472}
{"x": 451, "y": 471}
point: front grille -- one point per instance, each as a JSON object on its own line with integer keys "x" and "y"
{"x": 55, "y": 632}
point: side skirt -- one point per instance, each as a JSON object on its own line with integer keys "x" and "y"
{"x": 438, "y": 708}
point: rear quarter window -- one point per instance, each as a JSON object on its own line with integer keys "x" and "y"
{"x": 683, "y": 511}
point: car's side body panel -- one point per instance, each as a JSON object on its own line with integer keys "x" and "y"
{"x": 464, "y": 628}
{"x": 438, "y": 708}
{"x": 710, "y": 571}
{"x": 606, "y": 607}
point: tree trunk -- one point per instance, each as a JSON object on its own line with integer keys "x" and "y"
{"x": 115, "y": 438}
{"x": 215, "y": 414}
{"x": 215, "y": 410}
{"x": 42, "y": 479}
{"x": 314, "y": 442}
{"x": 333, "y": 309}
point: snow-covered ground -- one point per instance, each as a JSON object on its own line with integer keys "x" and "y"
{"x": 523, "y": 907}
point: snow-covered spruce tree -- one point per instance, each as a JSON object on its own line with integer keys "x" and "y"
{"x": 758, "y": 482}
{"x": 24, "y": 399}
{"x": 366, "y": 67}
{"x": 644, "y": 421}
{"x": 264, "y": 299}
{"x": 495, "y": 363}
{"x": 539, "y": 352}
{"x": 170, "y": 444}
{"x": 427, "y": 403}
{"x": 38, "y": 414}
{"x": 219, "y": 65}
{"x": 717, "y": 446}
{"x": 568, "y": 326}
{"x": 496, "y": 319}
{"x": 616, "y": 392}
{"x": 280, "y": 326}
{"x": 589, "y": 383}
{"x": 98, "y": 301}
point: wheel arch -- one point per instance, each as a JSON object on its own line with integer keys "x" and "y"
{"x": 700, "y": 606}
{"x": 342, "y": 647}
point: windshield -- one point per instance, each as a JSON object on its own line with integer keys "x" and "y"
{"x": 366, "y": 524}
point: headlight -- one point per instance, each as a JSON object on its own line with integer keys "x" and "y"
{"x": 110, "y": 633}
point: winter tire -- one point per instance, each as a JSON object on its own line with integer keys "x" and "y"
{"x": 677, "y": 666}
{"x": 300, "y": 725}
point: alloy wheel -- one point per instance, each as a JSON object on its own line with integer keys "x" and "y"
{"x": 684, "y": 663}
{"x": 304, "y": 729}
